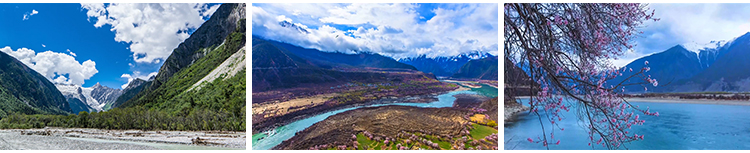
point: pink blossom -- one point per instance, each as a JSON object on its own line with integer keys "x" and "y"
{"x": 604, "y": 39}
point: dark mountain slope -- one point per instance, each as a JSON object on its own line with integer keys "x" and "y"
{"x": 485, "y": 69}
{"x": 670, "y": 68}
{"x": 23, "y": 90}
{"x": 129, "y": 92}
{"x": 330, "y": 60}
{"x": 276, "y": 68}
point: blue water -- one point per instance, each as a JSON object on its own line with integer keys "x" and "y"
{"x": 486, "y": 90}
{"x": 275, "y": 137}
{"x": 678, "y": 127}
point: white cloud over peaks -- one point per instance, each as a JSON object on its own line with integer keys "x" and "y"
{"x": 153, "y": 30}
{"x": 136, "y": 74}
{"x": 388, "y": 29}
{"x": 55, "y": 65}
{"x": 26, "y": 16}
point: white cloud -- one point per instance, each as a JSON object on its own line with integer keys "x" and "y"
{"x": 388, "y": 29}
{"x": 688, "y": 24}
{"x": 153, "y": 30}
{"x": 26, "y": 16}
{"x": 71, "y": 53}
{"x": 701, "y": 23}
{"x": 207, "y": 12}
{"x": 55, "y": 65}
{"x": 136, "y": 74}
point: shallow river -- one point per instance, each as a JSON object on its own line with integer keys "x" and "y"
{"x": 678, "y": 127}
{"x": 269, "y": 139}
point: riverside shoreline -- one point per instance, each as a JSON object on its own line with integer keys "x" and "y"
{"x": 279, "y": 121}
{"x": 690, "y": 101}
{"x": 682, "y": 101}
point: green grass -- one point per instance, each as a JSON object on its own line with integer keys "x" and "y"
{"x": 363, "y": 141}
{"x": 441, "y": 144}
{"x": 481, "y": 131}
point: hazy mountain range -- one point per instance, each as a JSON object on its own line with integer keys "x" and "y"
{"x": 717, "y": 66}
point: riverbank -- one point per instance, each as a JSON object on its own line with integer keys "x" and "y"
{"x": 470, "y": 84}
{"x": 228, "y": 140}
{"x": 679, "y": 100}
{"x": 277, "y": 121}
{"x": 690, "y": 101}
{"x": 415, "y": 91}
{"x": 512, "y": 108}
{"x": 468, "y": 101}
{"x": 435, "y": 128}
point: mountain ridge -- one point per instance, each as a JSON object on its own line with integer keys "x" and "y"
{"x": 720, "y": 67}
{"x": 443, "y": 65}
{"x": 210, "y": 37}
{"x": 23, "y": 90}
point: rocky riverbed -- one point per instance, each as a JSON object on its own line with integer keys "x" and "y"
{"x": 10, "y": 140}
{"x": 95, "y": 139}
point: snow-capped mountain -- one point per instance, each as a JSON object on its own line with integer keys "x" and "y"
{"x": 94, "y": 97}
{"x": 708, "y": 52}
{"x": 104, "y": 95}
{"x": 299, "y": 28}
{"x": 698, "y": 47}
{"x": 443, "y": 66}
{"x": 719, "y": 66}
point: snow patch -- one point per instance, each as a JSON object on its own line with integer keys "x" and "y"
{"x": 230, "y": 67}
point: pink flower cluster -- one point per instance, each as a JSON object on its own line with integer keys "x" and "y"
{"x": 367, "y": 134}
{"x": 569, "y": 63}
{"x": 318, "y": 147}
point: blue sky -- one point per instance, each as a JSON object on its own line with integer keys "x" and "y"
{"x": 85, "y": 50}
{"x": 692, "y": 25}
{"x": 395, "y": 30}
